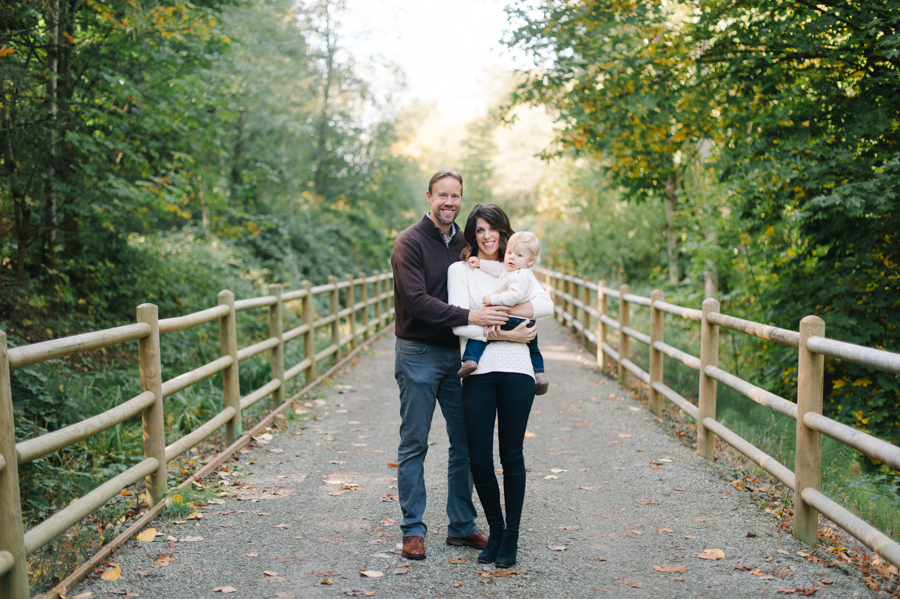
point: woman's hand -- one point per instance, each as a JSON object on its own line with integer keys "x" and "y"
{"x": 520, "y": 334}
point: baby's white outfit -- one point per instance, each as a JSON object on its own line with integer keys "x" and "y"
{"x": 515, "y": 287}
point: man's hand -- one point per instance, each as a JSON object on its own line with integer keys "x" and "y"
{"x": 489, "y": 316}
{"x": 474, "y": 262}
{"x": 486, "y": 300}
{"x": 520, "y": 334}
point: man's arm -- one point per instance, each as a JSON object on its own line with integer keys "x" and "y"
{"x": 409, "y": 276}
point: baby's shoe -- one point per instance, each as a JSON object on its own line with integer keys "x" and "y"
{"x": 468, "y": 367}
{"x": 541, "y": 383}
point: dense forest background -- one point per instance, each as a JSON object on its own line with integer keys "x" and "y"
{"x": 159, "y": 151}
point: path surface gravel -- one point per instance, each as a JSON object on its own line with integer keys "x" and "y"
{"x": 610, "y": 497}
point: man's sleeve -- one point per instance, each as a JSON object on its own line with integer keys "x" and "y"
{"x": 409, "y": 277}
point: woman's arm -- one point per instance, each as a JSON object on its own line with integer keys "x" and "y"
{"x": 520, "y": 334}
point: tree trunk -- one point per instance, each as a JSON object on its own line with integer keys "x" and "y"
{"x": 321, "y": 181}
{"x": 670, "y": 231}
{"x": 21, "y": 209}
{"x": 49, "y": 229}
{"x": 236, "y": 159}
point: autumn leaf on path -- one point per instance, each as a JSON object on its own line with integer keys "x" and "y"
{"x": 147, "y": 536}
{"x": 163, "y": 560}
{"x": 87, "y": 595}
{"x": 127, "y": 593}
{"x": 501, "y": 573}
{"x": 371, "y": 574}
{"x": 388, "y": 522}
{"x": 681, "y": 569}
{"x": 112, "y": 574}
{"x": 712, "y": 554}
{"x": 270, "y": 573}
{"x": 556, "y": 547}
{"x": 597, "y": 559}
{"x": 392, "y": 464}
{"x": 398, "y": 571}
{"x": 225, "y": 589}
{"x": 589, "y": 488}
{"x": 530, "y": 434}
{"x": 624, "y": 436}
{"x": 666, "y": 530}
{"x": 457, "y": 560}
{"x": 647, "y": 502}
{"x": 190, "y": 540}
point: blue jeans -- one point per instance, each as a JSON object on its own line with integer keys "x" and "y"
{"x": 424, "y": 373}
{"x": 475, "y": 348}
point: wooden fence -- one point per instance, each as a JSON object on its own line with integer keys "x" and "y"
{"x": 354, "y": 318}
{"x": 575, "y": 307}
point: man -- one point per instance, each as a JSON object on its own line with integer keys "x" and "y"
{"x": 426, "y": 362}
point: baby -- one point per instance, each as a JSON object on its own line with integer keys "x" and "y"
{"x": 517, "y": 285}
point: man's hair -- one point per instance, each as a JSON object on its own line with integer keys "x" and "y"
{"x": 496, "y": 218}
{"x": 442, "y": 174}
{"x": 528, "y": 241}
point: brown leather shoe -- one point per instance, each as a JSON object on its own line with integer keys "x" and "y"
{"x": 413, "y": 548}
{"x": 541, "y": 384}
{"x": 477, "y": 539}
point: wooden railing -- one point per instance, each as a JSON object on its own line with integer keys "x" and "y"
{"x": 575, "y": 307}
{"x": 16, "y": 543}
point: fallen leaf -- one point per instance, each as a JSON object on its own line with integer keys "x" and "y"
{"x": 457, "y": 560}
{"x": 682, "y": 569}
{"x": 689, "y": 537}
{"x": 666, "y": 530}
{"x": 392, "y": 464}
{"x": 388, "y": 522}
{"x": 112, "y": 574}
{"x": 190, "y": 540}
{"x": 556, "y": 547}
{"x": 782, "y": 551}
{"x": 282, "y": 526}
{"x": 530, "y": 434}
{"x": 751, "y": 534}
{"x": 216, "y": 501}
{"x": 589, "y": 488}
{"x": 163, "y": 560}
{"x": 270, "y": 573}
{"x": 225, "y": 589}
{"x": 557, "y": 470}
{"x": 647, "y": 502}
{"x": 195, "y": 516}
{"x": 147, "y": 536}
{"x": 371, "y": 573}
{"x": 398, "y": 571}
{"x": 251, "y": 555}
{"x": 551, "y": 476}
{"x": 624, "y": 436}
{"x": 711, "y": 554}
{"x": 326, "y": 581}
{"x": 597, "y": 559}
{"x": 87, "y": 595}
{"x": 456, "y": 585}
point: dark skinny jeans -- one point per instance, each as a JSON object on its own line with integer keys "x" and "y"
{"x": 507, "y": 397}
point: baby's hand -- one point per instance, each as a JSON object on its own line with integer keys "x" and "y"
{"x": 474, "y": 262}
{"x": 486, "y": 300}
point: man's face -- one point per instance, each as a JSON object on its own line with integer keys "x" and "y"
{"x": 445, "y": 199}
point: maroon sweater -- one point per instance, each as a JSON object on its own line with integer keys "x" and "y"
{"x": 420, "y": 261}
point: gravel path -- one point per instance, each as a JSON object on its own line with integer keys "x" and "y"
{"x": 611, "y": 500}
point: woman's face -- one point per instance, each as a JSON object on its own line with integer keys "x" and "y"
{"x": 488, "y": 240}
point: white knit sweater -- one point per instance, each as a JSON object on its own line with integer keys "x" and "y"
{"x": 466, "y": 288}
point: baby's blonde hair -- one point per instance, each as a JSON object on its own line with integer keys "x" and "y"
{"x": 529, "y": 241}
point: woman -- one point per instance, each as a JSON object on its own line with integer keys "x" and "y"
{"x": 501, "y": 388}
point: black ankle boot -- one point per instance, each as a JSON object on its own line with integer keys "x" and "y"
{"x": 493, "y": 545}
{"x": 506, "y": 555}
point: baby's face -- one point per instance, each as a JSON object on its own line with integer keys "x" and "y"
{"x": 518, "y": 258}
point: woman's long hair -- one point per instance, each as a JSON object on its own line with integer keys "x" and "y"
{"x": 496, "y": 218}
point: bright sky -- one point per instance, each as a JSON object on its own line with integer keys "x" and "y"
{"x": 443, "y": 46}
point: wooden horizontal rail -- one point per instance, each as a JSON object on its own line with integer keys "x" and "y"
{"x": 593, "y": 311}
{"x": 757, "y": 394}
{"x": 864, "y": 356}
{"x": 345, "y": 312}
{"x": 346, "y": 339}
{"x": 867, "y": 535}
{"x": 31, "y": 449}
{"x": 56, "y": 524}
{"x": 182, "y": 381}
{"x": 763, "y": 331}
{"x": 295, "y": 332}
{"x": 257, "y": 348}
{"x": 194, "y": 437}
{"x": 2, "y": 463}
{"x": 635, "y": 334}
{"x": 640, "y": 300}
{"x": 609, "y": 291}
{"x": 297, "y": 369}
{"x": 255, "y": 302}
{"x": 331, "y": 349}
{"x": 635, "y": 370}
{"x": 576, "y": 324}
{"x": 675, "y": 353}
{"x": 756, "y": 455}
{"x": 6, "y": 562}
{"x": 592, "y": 286}
{"x": 322, "y": 289}
{"x": 324, "y": 321}
{"x": 180, "y": 323}
{"x": 609, "y": 351}
{"x": 609, "y": 322}
{"x": 687, "y": 313}
{"x": 344, "y": 285}
{"x": 873, "y": 447}
{"x": 591, "y": 336}
{"x": 19, "y": 357}
{"x": 289, "y": 296}
{"x": 673, "y": 396}
{"x": 260, "y": 393}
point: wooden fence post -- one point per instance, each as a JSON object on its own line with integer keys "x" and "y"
{"x": 231, "y": 385}
{"x": 350, "y": 300}
{"x": 276, "y": 357}
{"x": 334, "y": 307}
{"x": 376, "y": 289}
{"x": 309, "y": 338}
{"x": 623, "y": 338}
{"x": 568, "y": 306}
{"x": 364, "y": 299}
{"x": 153, "y": 417}
{"x": 585, "y": 314}
{"x": 13, "y": 584}
{"x": 603, "y": 309}
{"x": 709, "y": 356}
{"x": 656, "y": 356}
{"x": 807, "y": 468}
